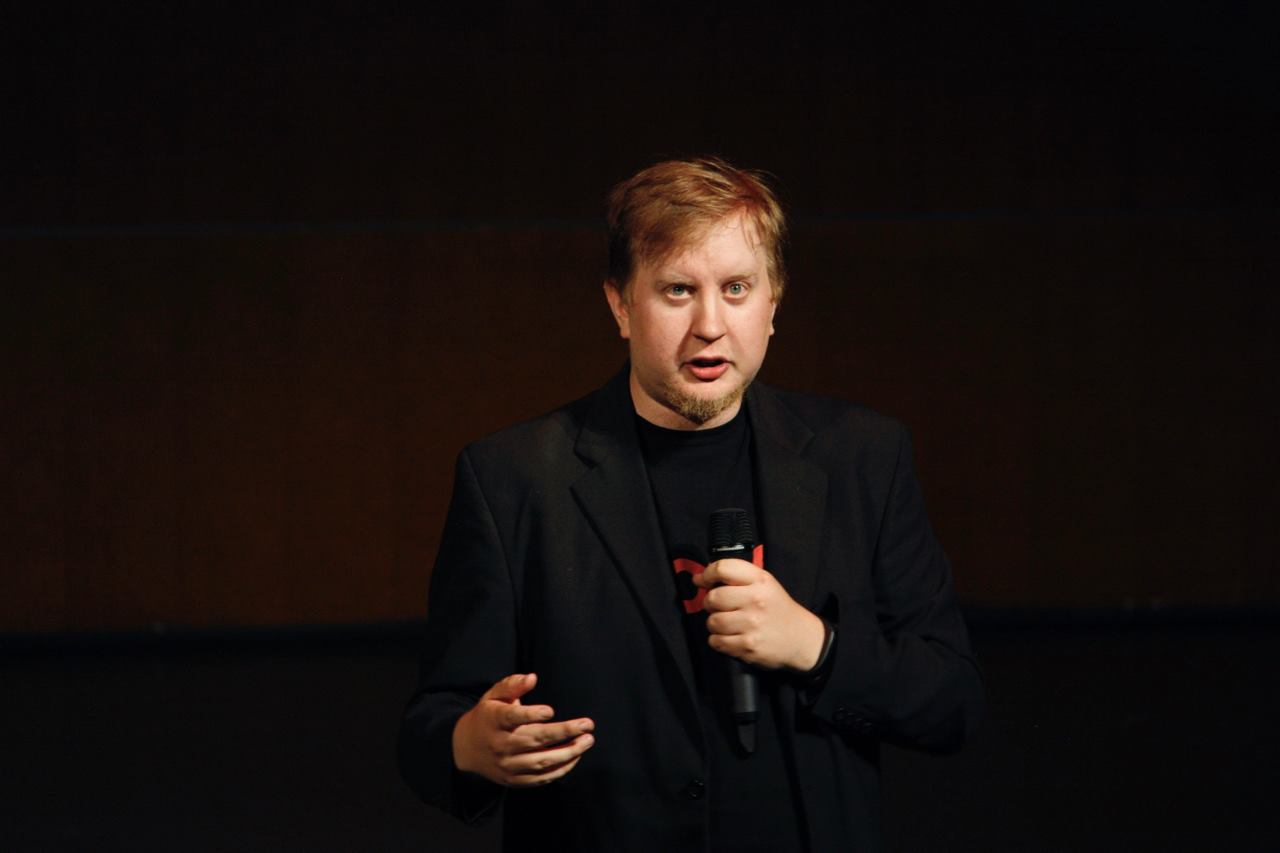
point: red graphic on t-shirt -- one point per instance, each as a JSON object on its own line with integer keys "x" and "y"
{"x": 694, "y": 568}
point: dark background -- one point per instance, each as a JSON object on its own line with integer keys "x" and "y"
{"x": 265, "y": 272}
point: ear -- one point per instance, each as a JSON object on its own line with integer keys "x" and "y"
{"x": 621, "y": 310}
{"x": 773, "y": 311}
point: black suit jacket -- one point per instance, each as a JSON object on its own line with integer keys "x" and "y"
{"x": 552, "y": 562}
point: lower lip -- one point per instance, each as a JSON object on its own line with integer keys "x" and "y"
{"x": 709, "y": 373}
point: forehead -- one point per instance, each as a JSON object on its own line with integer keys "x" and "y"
{"x": 733, "y": 240}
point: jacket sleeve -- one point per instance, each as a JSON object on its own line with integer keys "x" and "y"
{"x": 469, "y": 645}
{"x": 902, "y": 667}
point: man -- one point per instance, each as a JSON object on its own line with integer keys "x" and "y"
{"x": 572, "y": 670}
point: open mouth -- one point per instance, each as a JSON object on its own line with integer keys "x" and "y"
{"x": 708, "y": 369}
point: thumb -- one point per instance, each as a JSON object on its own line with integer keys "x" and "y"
{"x": 512, "y": 687}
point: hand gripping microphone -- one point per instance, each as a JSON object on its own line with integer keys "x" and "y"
{"x": 731, "y": 534}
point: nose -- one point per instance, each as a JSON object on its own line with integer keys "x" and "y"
{"x": 708, "y": 319}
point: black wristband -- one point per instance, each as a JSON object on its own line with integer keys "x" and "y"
{"x": 817, "y": 674}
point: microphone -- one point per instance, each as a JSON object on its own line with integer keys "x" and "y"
{"x": 731, "y": 534}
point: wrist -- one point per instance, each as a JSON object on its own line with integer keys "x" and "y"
{"x": 462, "y": 742}
{"x": 815, "y": 643}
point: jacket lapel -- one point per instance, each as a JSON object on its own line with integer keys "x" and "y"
{"x": 792, "y": 493}
{"x": 616, "y": 497}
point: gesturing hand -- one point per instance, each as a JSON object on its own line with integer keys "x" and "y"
{"x": 515, "y": 744}
{"x": 753, "y": 618}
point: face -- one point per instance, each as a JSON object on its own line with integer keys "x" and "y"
{"x": 698, "y": 323}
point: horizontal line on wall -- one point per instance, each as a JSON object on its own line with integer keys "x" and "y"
{"x": 403, "y": 635}
{"x": 162, "y": 637}
{"x": 1261, "y": 615}
{"x": 462, "y": 224}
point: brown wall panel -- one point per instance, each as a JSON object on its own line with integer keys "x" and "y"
{"x": 1086, "y": 394}
{"x": 251, "y": 430}
{"x": 259, "y": 429}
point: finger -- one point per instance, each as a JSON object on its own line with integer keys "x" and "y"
{"x": 728, "y": 598}
{"x": 512, "y": 716}
{"x": 732, "y": 571}
{"x": 734, "y": 645}
{"x": 545, "y": 760}
{"x": 537, "y": 736}
{"x": 512, "y": 687}
{"x": 550, "y": 775}
{"x": 731, "y": 623}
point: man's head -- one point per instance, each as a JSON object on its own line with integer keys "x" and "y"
{"x": 695, "y": 275}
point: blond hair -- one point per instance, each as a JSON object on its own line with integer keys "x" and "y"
{"x": 672, "y": 204}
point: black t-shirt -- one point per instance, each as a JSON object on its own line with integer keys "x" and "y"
{"x": 692, "y": 474}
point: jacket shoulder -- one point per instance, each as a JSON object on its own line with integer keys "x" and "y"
{"x": 535, "y": 447}
{"x": 835, "y": 419}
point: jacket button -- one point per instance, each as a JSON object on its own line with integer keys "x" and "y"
{"x": 695, "y": 789}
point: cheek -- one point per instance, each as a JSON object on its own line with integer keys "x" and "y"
{"x": 766, "y": 324}
{"x": 757, "y": 331}
{"x": 655, "y": 340}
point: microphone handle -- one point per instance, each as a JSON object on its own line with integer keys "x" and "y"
{"x": 742, "y": 681}
{"x": 731, "y": 535}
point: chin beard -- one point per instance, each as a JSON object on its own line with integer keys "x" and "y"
{"x": 699, "y": 410}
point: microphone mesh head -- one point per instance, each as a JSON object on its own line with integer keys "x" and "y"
{"x": 730, "y": 528}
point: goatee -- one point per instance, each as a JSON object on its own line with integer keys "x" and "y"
{"x": 699, "y": 410}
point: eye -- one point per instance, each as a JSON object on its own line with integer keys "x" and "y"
{"x": 736, "y": 288}
{"x": 678, "y": 290}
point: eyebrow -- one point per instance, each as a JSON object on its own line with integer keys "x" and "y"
{"x": 664, "y": 279}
